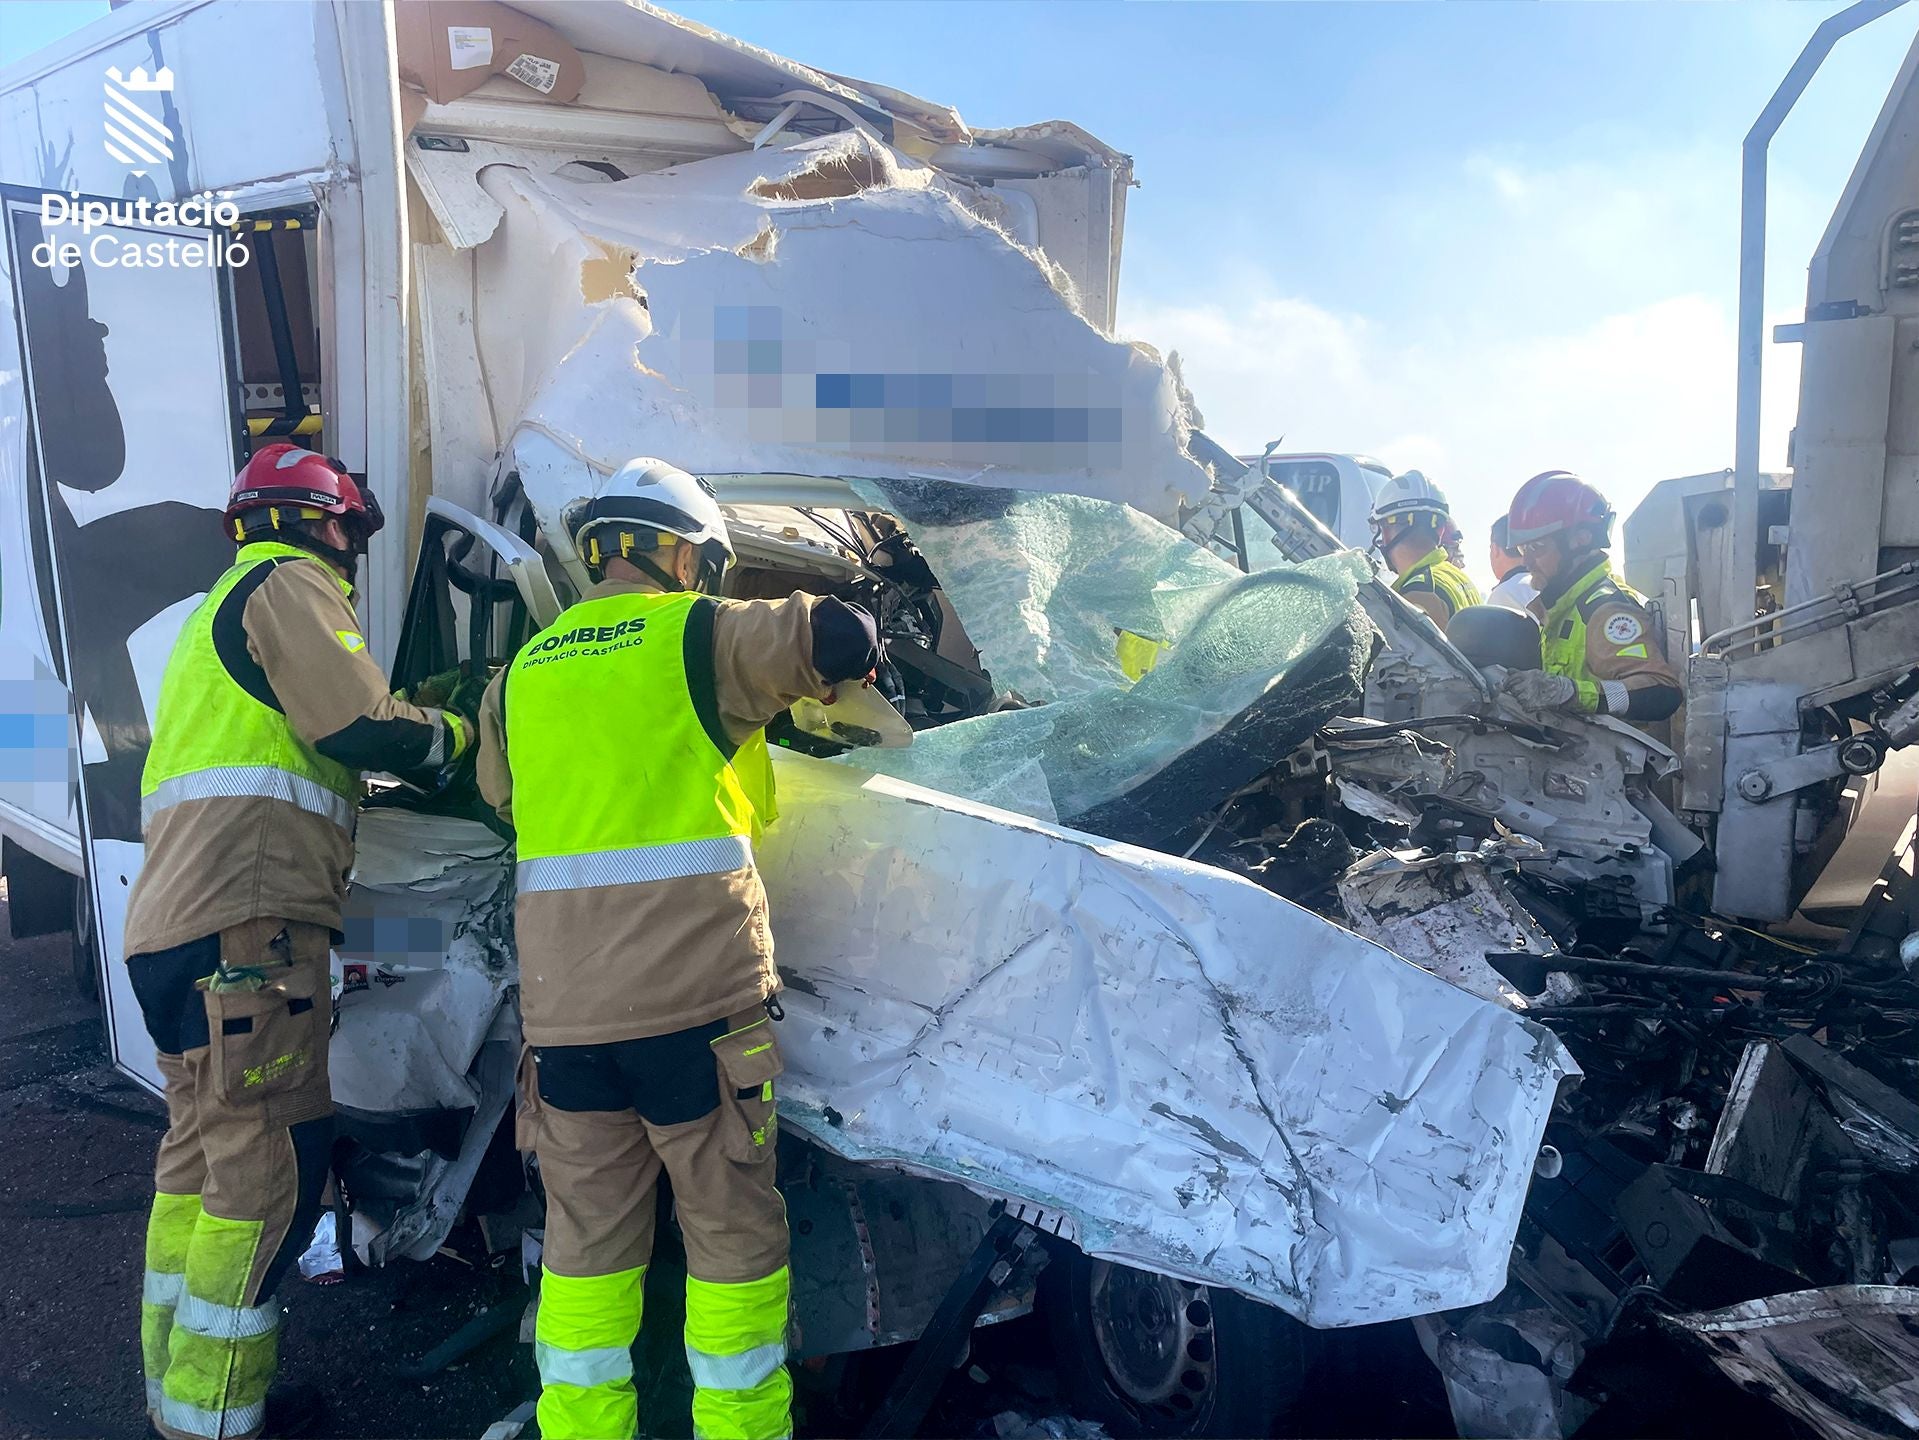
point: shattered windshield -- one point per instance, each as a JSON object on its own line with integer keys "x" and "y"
{"x": 1120, "y": 644}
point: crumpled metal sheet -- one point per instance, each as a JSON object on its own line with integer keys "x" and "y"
{"x": 1507, "y": 1366}
{"x": 1205, "y": 1079}
{"x": 1880, "y": 1120}
{"x": 1444, "y": 912}
{"x": 1845, "y": 1360}
{"x": 426, "y": 962}
{"x": 420, "y": 1228}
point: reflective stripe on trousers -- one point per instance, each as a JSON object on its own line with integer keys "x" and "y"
{"x": 607, "y": 1365}
{"x": 212, "y": 1424}
{"x": 222, "y": 1354}
{"x": 736, "y": 1349}
{"x": 635, "y": 865}
{"x": 583, "y": 1340}
{"x": 225, "y": 1322}
{"x": 264, "y": 782}
{"x": 169, "y": 1232}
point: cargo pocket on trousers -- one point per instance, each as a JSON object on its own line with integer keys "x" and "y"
{"x": 749, "y": 1061}
{"x": 526, "y": 1114}
{"x": 270, "y": 1042}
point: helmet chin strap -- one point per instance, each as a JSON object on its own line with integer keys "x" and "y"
{"x": 640, "y": 562}
{"x": 347, "y": 561}
{"x": 706, "y": 581}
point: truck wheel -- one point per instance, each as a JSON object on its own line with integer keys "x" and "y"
{"x": 1147, "y": 1355}
{"x": 85, "y": 953}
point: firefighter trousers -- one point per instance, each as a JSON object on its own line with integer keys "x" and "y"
{"x": 603, "y": 1121}
{"x": 241, "y": 1022}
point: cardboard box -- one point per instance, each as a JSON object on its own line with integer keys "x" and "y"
{"x": 449, "y": 48}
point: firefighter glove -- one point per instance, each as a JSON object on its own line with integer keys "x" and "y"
{"x": 1540, "y": 690}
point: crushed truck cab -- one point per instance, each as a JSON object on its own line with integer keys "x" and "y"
{"x": 1176, "y": 1068}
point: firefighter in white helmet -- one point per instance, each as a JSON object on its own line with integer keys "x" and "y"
{"x": 1411, "y": 523}
{"x": 625, "y": 743}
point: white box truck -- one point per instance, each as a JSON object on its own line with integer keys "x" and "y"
{"x": 225, "y": 221}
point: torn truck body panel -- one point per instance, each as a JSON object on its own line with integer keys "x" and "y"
{"x": 687, "y": 90}
{"x": 744, "y": 314}
{"x": 1211, "y": 1082}
{"x": 734, "y": 70}
{"x": 426, "y": 1031}
{"x": 425, "y": 963}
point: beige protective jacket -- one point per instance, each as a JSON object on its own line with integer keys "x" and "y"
{"x": 212, "y": 864}
{"x": 629, "y": 961}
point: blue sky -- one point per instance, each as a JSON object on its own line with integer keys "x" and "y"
{"x": 1486, "y": 239}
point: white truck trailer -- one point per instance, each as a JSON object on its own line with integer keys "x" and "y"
{"x": 1794, "y": 594}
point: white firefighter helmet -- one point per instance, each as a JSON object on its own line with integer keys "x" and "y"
{"x": 1405, "y": 500}
{"x": 638, "y": 504}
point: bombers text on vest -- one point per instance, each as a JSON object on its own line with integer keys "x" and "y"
{"x": 622, "y": 772}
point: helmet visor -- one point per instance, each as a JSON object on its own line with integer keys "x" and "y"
{"x": 363, "y": 524}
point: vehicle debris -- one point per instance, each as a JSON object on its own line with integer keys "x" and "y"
{"x": 986, "y": 934}
{"x": 1011, "y": 1425}
{"x": 321, "y": 1262}
{"x": 1716, "y": 1164}
{"x": 1841, "y": 1359}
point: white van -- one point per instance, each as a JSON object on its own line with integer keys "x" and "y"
{"x": 1338, "y": 490}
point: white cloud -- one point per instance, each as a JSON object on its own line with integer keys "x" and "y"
{"x": 1625, "y": 399}
{"x": 1506, "y": 180}
{"x": 1577, "y": 315}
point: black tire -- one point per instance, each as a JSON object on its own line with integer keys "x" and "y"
{"x": 85, "y": 953}
{"x": 1150, "y": 1356}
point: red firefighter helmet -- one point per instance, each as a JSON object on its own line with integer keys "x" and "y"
{"x": 1556, "y": 503}
{"x": 306, "y": 486}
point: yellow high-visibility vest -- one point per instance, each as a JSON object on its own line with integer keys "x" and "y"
{"x": 1563, "y": 633}
{"x": 219, "y": 732}
{"x": 1434, "y": 571}
{"x": 622, "y": 772}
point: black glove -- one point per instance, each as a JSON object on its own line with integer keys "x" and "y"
{"x": 846, "y": 641}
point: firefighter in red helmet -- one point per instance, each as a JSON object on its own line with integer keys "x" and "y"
{"x": 1603, "y": 654}
{"x": 269, "y": 711}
